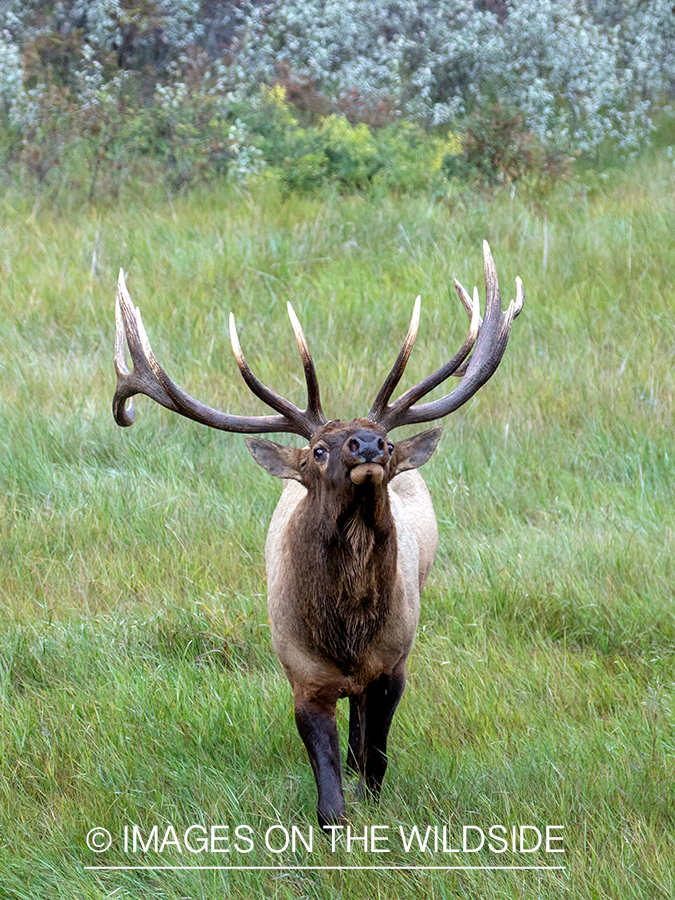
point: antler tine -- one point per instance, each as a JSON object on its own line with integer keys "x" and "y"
{"x": 384, "y": 413}
{"x": 420, "y": 390}
{"x": 270, "y": 397}
{"x": 519, "y": 302}
{"x": 123, "y": 416}
{"x": 128, "y": 323}
{"x": 464, "y": 295}
{"x": 467, "y": 302}
{"x": 148, "y": 377}
{"x": 380, "y": 405}
{"x": 490, "y": 346}
{"x": 314, "y": 409}
{"x": 520, "y": 297}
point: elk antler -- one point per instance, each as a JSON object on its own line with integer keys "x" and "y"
{"x": 489, "y": 337}
{"x": 149, "y": 378}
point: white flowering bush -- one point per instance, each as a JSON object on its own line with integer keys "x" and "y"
{"x": 645, "y": 31}
{"x": 246, "y": 159}
{"x": 182, "y": 83}
{"x": 574, "y": 76}
{"x": 144, "y": 34}
{"x": 11, "y": 73}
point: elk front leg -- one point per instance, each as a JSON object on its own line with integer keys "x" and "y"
{"x": 382, "y": 698}
{"x": 318, "y": 729}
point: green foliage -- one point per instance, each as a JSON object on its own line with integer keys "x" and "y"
{"x": 354, "y": 157}
{"x": 411, "y": 158}
{"x": 272, "y": 118}
{"x": 498, "y": 149}
{"x": 101, "y": 129}
{"x": 185, "y": 133}
{"x": 335, "y": 152}
{"x": 402, "y": 157}
{"x": 582, "y": 74}
{"x": 185, "y": 138}
{"x": 64, "y": 144}
{"x": 191, "y": 135}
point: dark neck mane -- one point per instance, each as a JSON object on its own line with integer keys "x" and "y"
{"x": 344, "y": 568}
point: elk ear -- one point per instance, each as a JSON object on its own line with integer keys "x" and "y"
{"x": 280, "y": 461}
{"x": 415, "y": 451}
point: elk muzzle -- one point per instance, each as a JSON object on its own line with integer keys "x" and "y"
{"x": 366, "y": 452}
{"x": 367, "y": 472}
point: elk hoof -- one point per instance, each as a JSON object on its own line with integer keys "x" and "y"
{"x": 326, "y": 819}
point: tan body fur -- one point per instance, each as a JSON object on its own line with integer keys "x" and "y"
{"x": 417, "y": 540}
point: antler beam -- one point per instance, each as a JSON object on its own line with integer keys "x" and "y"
{"x": 149, "y": 378}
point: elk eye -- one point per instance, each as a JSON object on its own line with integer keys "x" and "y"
{"x": 319, "y": 453}
{"x": 390, "y": 447}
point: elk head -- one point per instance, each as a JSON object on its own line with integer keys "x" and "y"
{"x": 360, "y": 450}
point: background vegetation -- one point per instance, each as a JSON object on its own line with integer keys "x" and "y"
{"x": 96, "y": 95}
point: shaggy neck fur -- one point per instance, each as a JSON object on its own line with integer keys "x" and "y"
{"x": 344, "y": 558}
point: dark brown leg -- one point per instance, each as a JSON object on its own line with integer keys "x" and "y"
{"x": 382, "y": 698}
{"x": 357, "y": 715}
{"x": 316, "y": 723}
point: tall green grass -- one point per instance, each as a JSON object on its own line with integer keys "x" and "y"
{"x": 138, "y": 684}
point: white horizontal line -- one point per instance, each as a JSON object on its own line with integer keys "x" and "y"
{"x": 324, "y": 868}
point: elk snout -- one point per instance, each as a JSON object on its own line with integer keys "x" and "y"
{"x": 367, "y": 453}
{"x": 367, "y": 446}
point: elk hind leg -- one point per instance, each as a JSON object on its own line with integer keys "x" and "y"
{"x": 318, "y": 729}
{"x": 382, "y": 697}
{"x": 357, "y": 722}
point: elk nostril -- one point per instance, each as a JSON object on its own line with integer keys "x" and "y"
{"x": 380, "y": 444}
{"x": 354, "y": 445}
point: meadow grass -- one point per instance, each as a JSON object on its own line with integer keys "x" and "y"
{"x": 138, "y": 685}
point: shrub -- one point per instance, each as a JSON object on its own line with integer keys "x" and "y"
{"x": 568, "y": 70}
{"x": 96, "y": 138}
{"x": 11, "y": 74}
{"x": 410, "y": 158}
{"x": 333, "y": 151}
{"x": 68, "y": 138}
{"x": 497, "y": 148}
{"x": 349, "y": 93}
{"x": 270, "y": 117}
{"x": 578, "y": 71}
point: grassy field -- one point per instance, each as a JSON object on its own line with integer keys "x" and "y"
{"x": 138, "y": 685}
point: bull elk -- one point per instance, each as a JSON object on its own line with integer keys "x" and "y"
{"x": 354, "y": 534}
